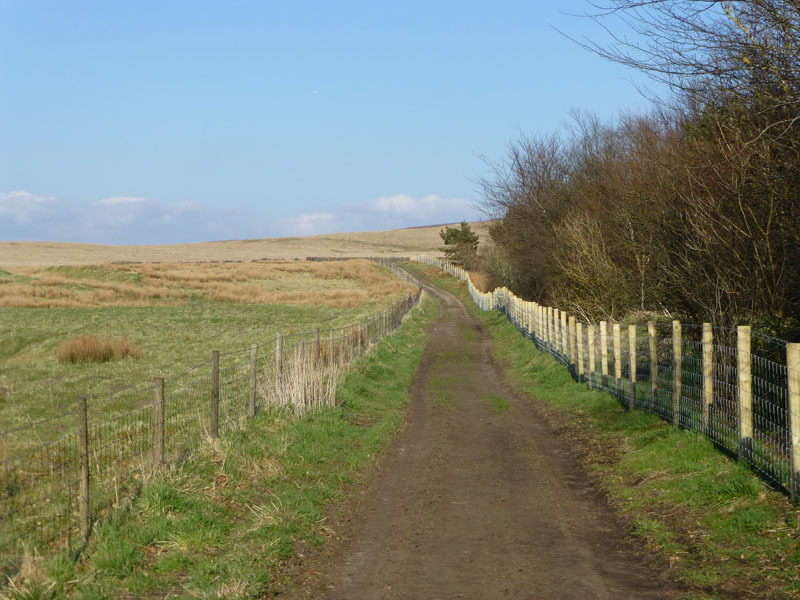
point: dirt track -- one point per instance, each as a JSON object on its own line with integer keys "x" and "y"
{"x": 478, "y": 498}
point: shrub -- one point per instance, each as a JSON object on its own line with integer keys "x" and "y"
{"x": 94, "y": 348}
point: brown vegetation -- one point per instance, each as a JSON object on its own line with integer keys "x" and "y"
{"x": 336, "y": 284}
{"x": 387, "y": 244}
{"x": 95, "y": 348}
{"x": 693, "y": 209}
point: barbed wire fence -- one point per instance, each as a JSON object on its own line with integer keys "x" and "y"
{"x": 739, "y": 388}
{"x": 52, "y": 494}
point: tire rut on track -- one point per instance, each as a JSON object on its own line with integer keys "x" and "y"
{"x": 478, "y": 498}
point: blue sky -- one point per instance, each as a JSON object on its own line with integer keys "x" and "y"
{"x": 161, "y": 122}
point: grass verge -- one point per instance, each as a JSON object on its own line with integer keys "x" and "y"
{"x": 722, "y": 531}
{"x": 226, "y": 522}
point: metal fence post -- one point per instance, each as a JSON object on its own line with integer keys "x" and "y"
{"x": 83, "y": 440}
{"x": 253, "y": 380}
{"x": 158, "y": 423}
{"x": 213, "y": 425}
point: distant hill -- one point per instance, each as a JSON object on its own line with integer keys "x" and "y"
{"x": 394, "y": 242}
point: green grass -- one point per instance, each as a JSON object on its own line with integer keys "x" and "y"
{"x": 712, "y": 520}
{"x": 34, "y": 385}
{"x": 224, "y": 522}
{"x": 499, "y": 405}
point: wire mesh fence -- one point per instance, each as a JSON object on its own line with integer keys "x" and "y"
{"x": 52, "y": 493}
{"x": 741, "y": 389}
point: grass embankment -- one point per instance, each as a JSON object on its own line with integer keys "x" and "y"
{"x": 723, "y": 531}
{"x": 225, "y": 523}
{"x": 174, "y": 315}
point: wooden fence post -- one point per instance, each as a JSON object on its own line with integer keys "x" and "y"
{"x": 564, "y": 340}
{"x": 604, "y": 354}
{"x": 590, "y": 338}
{"x": 330, "y": 350}
{"x": 579, "y": 335}
{"x": 341, "y": 350}
{"x": 573, "y": 344}
{"x": 745, "y": 392}
{"x": 793, "y": 372}
{"x": 546, "y": 319}
{"x": 708, "y": 374}
{"x": 251, "y": 412}
{"x": 213, "y": 426}
{"x": 352, "y": 342}
{"x": 617, "y": 335}
{"x": 158, "y": 422}
{"x": 677, "y": 374}
{"x": 632, "y": 363}
{"x": 317, "y": 348}
{"x": 83, "y": 440}
{"x": 653, "y": 342}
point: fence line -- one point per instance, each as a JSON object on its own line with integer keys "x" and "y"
{"x": 51, "y": 494}
{"x": 739, "y": 388}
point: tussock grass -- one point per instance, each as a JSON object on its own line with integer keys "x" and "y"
{"x": 88, "y": 348}
{"x": 344, "y": 284}
{"x": 307, "y": 384}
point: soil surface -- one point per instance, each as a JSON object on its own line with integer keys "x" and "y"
{"x": 479, "y": 498}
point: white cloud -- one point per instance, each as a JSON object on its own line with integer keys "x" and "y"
{"x": 309, "y": 223}
{"x": 403, "y": 205}
{"x": 118, "y": 211}
{"x": 22, "y": 207}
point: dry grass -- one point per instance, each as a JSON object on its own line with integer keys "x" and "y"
{"x": 480, "y": 280}
{"x": 340, "y": 284}
{"x": 305, "y": 384}
{"x": 398, "y": 242}
{"x": 95, "y": 348}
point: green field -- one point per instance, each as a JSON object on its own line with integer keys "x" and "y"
{"x": 172, "y": 337}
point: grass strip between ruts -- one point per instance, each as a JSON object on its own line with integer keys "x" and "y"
{"x": 722, "y": 531}
{"x": 225, "y": 522}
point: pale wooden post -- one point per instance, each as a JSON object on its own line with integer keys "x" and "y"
{"x": 83, "y": 440}
{"x": 547, "y": 327}
{"x": 213, "y": 425}
{"x": 793, "y": 372}
{"x": 536, "y": 329}
{"x": 341, "y": 350}
{"x": 564, "y": 340}
{"x": 590, "y": 338}
{"x": 330, "y": 349}
{"x": 604, "y": 353}
{"x": 251, "y": 406}
{"x": 745, "y": 392}
{"x": 651, "y": 337}
{"x": 677, "y": 374}
{"x": 158, "y": 422}
{"x": 708, "y": 374}
{"x": 617, "y": 358}
{"x": 579, "y": 335}
{"x": 632, "y": 362}
{"x": 352, "y": 341}
{"x": 573, "y": 344}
